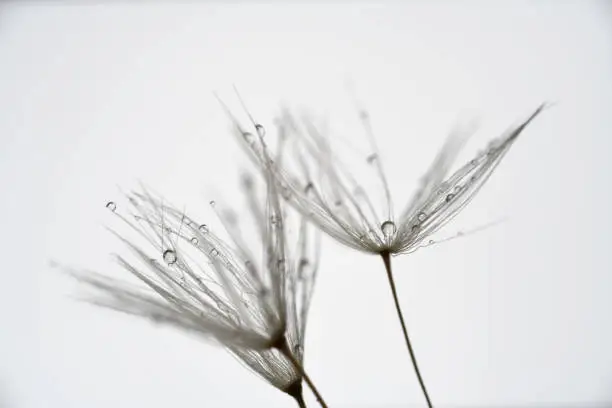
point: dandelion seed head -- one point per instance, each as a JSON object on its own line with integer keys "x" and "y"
{"x": 217, "y": 289}
{"x": 353, "y": 211}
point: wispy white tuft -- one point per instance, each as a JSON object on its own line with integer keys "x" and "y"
{"x": 225, "y": 291}
{"x": 316, "y": 180}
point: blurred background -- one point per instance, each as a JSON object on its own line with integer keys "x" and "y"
{"x": 99, "y": 97}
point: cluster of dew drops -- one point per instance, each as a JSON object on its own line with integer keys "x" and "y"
{"x": 169, "y": 255}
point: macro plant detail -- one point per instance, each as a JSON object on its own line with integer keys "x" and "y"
{"x": 312, "y": 176}
{"x": 218, "y": 289}
{"x": 256, "y": 307}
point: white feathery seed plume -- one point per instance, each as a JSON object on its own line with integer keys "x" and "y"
{"x": 316, "y": 181}
{"x": 199, "y": 283}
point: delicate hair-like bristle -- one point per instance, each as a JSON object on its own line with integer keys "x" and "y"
{"x": 316, "y": 181}
{"x": 215, "y": 288}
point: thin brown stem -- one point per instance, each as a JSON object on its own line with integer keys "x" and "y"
{"x": 295, "y": 391}
{"x": 284, "y": 349}
{"x": 300, "y": 401}
{"x": 387, "y": 260}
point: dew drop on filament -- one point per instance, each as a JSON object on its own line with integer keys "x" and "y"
{"x": 308, "y": 189}
{"x": 372, "y": 158}
{"x": 194, "y": 241}
{"x": 421, "y": 216}
{"x": 388, "y": 229}
{"x": 169, "y": 256}
{"x": 111, "y": 206}
{"x": 248, "y": 137}
{"x": 203, "y": 228}
{"x": 450, "y": 197}
{"x": 261, "y": 131}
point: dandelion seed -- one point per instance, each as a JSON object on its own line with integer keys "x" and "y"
{"x": 217, "y": 292}
{"x": 348, "y": 224}
{"x": 440, "y": 196}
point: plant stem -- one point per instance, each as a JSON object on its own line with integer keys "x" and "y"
{"x": 284, "y": 349}
{"x": 295, "y": 391}
{"x": 387, "y": 260}
{"x": 300, "y": 401}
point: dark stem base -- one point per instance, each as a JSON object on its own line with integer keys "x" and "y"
{"x": 296, "y": 392}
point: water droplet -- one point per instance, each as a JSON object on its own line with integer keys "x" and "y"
{"x": 194, "y": 241}
{"x": 297, "y": 348}
{"x": 372, "y": 158}
{"x": 203, "y": 228}
{"x": 285, "y": 193}
{"x": 169, "y": 256}
{"x": 450, "y": 197}
{"x": 248, "y": 137}
{"x": 214, "y": 252}
{"x": 261, "y": 131}
{"x": 442, "y": 188}
{"x": 421, "y": 216}
{"x": 212, "y": 203}
{"x": 388, "y": 229}
{"x": 111, "y": 206}
{"x": 474, "y": 162}
{"x": 309, "y": 189}
{"x": 431, "y": 242}
{"x": 415, "y": 228}
{"x": 457, "y": 189}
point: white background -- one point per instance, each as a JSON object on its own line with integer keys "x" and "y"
{"x": 95, "y": 97}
